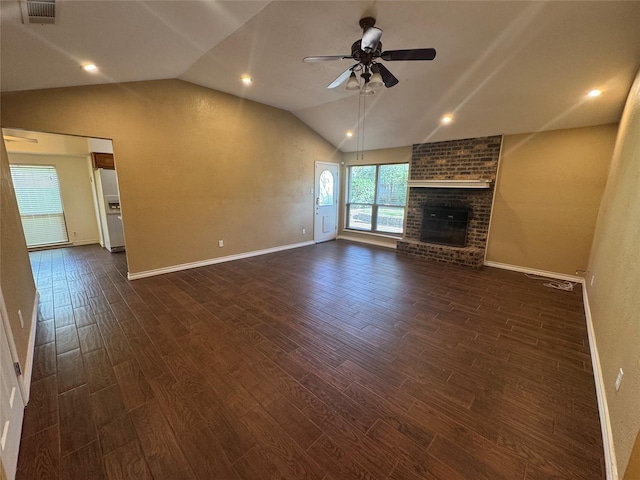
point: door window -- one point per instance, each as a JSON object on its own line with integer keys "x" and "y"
{"x": 325, "y": 197}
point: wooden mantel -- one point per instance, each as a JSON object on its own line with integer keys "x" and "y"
{"x": 475, "y": 183}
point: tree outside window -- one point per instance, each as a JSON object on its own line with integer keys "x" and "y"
{"x": 377, "y": 198}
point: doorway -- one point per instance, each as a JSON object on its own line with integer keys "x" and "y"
{"x": 85, "y": 182}
{"x": 325, "y": 226}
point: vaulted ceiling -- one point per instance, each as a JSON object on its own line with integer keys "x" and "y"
{"x": 501, "y": 67}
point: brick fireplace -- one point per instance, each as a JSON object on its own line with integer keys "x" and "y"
{"x": 455, "y": 175}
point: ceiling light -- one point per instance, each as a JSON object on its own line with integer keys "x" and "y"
{"x": 446, "y": 120}
{"x": 367, "y": 90}
{"x": 594, "y": 93}
{"x": 352, "y": 83}
{"x": 246, "y": 79}
{"x": 349, "y": 134}
{"x": 90, "y": 67}
{"x": 376, "y": 78}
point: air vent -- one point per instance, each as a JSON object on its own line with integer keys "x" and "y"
{"x": 38, "y": 11}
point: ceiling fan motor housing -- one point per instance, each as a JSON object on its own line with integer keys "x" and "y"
{"x": 364, "y": 57}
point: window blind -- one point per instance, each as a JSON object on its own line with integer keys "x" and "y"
{"x": 40, "y": 204}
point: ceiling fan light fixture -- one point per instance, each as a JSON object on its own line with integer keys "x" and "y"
{"x": 376, "y": 80}
{"x": 367, "y": 90}
{"x": 352, "y": 83}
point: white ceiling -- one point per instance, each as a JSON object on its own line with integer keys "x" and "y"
{"x": 501, "y": 67}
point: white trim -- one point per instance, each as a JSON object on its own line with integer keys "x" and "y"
{"x": 370, "y": 241}
{"x": 213, "y": 261}
{"x": 28, "y": 368}
{"x": 605, "y": 422}
{"x": 85, "y": 242}
{"x": 24, "y": 380}
{"x": 533, "y": 271}
{"x": 473, "y": 183}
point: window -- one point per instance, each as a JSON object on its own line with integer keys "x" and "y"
{"x": 377, "y": 197}
{"x": 40, "y": 204}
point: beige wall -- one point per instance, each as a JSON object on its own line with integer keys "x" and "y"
{"x": 370, "y": 157}
{"x": 74, "y": 175}
{"x": 547, "y": 196}
{"x": 16, "y": 279}
{"x": 194, "y": 165}
{"x": 614, "y": 297}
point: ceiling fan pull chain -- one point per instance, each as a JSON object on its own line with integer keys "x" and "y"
{"x": 364, "y": 115}
{"x": 359, "y": 126}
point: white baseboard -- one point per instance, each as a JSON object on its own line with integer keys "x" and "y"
{"x": 86, "y": 242}
{"x": 533, "y": 271}
{"x": 28, "y": 368}
{"x": 605, "y": 422}
{"x": 369, "y": 241}
{"x": 213, "y": 261}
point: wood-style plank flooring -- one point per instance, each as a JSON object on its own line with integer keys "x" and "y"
{"x": 336, "y": 361}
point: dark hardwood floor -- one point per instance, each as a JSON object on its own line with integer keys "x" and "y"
{"x": 336, "y": 361}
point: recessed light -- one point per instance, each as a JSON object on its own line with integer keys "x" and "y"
{"x": 90, "y": 67}
{"x": 594, "y": 93}
{"x": 447, "y": 119}
{"x": 246, "y": 79}
{"x": 349, "y": 134}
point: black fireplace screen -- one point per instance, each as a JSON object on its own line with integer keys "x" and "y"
{"x": 445, "y": 225}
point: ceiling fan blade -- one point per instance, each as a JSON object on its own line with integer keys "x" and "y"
{"x": 412, "y": 54}
{"x": 370, "y": 38}
{"x": 326, "y": 58}
{"x": 343, "y": 76}
{"x": 387, "y": 77}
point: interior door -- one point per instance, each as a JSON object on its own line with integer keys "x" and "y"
{"x": 325, "y": 226}
{"x": 11, "y": 407}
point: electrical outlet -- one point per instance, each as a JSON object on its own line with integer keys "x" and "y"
{"x": 619, "y": 379}
{"x": 304, "y": 231}
{"x": 21, "y": 319}
{"x": 221, "y": 243}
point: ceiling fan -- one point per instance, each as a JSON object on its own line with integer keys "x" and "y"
{"x": 366, "y": 52}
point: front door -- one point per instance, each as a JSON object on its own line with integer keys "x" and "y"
{"x": 326, "y": 218}
{"x": 11, "y": 406}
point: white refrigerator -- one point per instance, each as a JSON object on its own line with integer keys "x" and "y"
{"x": 108, "y": 198}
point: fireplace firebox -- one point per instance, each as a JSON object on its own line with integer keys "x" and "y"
{"x": 445, "y": 225}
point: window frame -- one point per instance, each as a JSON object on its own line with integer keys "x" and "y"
{"x": 375, "y": 205}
